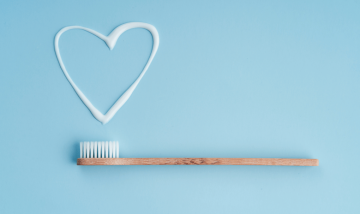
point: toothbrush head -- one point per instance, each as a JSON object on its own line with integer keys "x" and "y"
{"x": 99, "y": 149}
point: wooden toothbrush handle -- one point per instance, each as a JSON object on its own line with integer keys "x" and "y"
{"x": 198, "y": 161}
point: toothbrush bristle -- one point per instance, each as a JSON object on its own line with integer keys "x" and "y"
{"x": 99, "y": 149}
{"x": 84, "y": 154}
{"x": 106, "y": 149}
{"x": 114, "y": 149}
{"x": 87, "y": 149}
{"x": 110, "y": 149}
{"x": 81, "y": 149}
{"x": 91, "y": 149}
{"x": 117, "y": 149}
{"x": 102, "y": 149}
{"x": 95, "y": 149}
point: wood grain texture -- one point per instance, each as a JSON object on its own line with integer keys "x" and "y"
{"x": 198, "y": 161}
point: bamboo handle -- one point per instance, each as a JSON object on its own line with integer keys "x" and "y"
{"x": 198, "y": 161}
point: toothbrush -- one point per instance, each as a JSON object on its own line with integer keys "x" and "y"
{"x": 107, "y": 153}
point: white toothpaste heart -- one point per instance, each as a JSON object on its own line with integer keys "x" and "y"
{"x": 110, "y": 41}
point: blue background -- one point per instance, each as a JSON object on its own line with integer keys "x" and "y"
{"x": 230, "y": 79}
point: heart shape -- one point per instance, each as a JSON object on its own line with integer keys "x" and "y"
{"x": 110, "y": 41}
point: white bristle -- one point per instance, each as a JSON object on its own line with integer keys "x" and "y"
{"x": 84, "y": 148}
{"x": 99, "y": 149}
{"x": 81, "y": 149}
{"x": 87, "y": 149}
{"x": 106, "y": 149}
{"x": 111, "y": 146}
{"x": 114, "y": 149}
{"x": 117, "y": 149}
{"x": 91, "y": 149}
{"x": 95, "y": 149}
{"x": 110, "y": 149}
{"x": 102, "y": 149}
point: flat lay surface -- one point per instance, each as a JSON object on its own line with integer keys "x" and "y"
{"x": 231, "y": 79}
